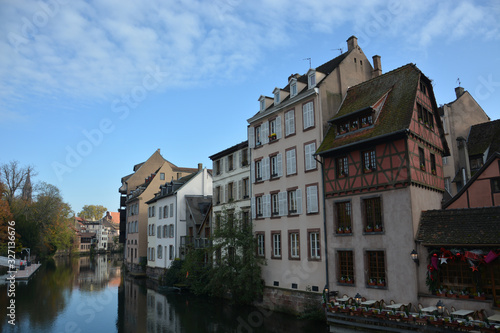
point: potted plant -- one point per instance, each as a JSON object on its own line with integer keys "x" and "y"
{"x": 381, "y": 283}
{"x": 372, "y": 282}
{"x": 433, "y": 171}
{"x": 342, "y": 279}
{"x": 347, "y": 230}
{"x": 480, "y": 296}
{"x": 378, "y": 228}
{"x": 272, "y": 137}
{"x": 451, "y": 294}
{"x": 464, "y": 294}
{"x": 340, "y": 230}
{"x": 422, "y": 167}
{"x": 369, "y": 228}
{"x": 441, "y": 292}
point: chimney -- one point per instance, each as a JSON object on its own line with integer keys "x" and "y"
{"x": 377, "y": 66}
{"x": 352, "y": 43}
{"x": 459, "y": 91}
{"x": 200, "y": 166}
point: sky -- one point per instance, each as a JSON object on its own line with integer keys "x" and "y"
{"x": 88, "y": 89}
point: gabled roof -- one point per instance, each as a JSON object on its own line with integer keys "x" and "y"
{"x": 490, "y": 160}
{"x": 325, "y": 68}
{"x": 176, "y": 185}
{"x": 460, "y": 227}
{"x": 400, "y": 85}
{"x": 484, "y": 136}
{"x": 229, "y": 150}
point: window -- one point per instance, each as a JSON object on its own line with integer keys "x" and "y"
{"x": 344, "y": 223}
{"x": 262, "y": 104}
{"x": 376, "y": 267}
{"x": 246, "y": 188}
{"x": 433, "y": 163}
{"x": 274, "y": 204}
{"x": 423, "y": 89}
{"x": 217, "y": 167}
{"x": 273, "y": 129}
{"x": 342, "y": 166}
{"x": 159, "y": 252}
{"x": 294, "y": 244}
{"x": 160, "y": 212}
{"x": 162, "y": 176}
{"x": 158, "y": 233}
{"x": 289, "y": 122}
{"x": 230, "y": 190}
{"x": 312, "y": 199}
{"x": 420, "y": 113}
{"x": 309, "y": 150}
{"x": 476, "y": 163}
{"x": 276, "y": 244}
{"x": 308, "y": 115}
{"x": 292, "y": 202}
{"x": 153, "y": 230}
{"x": 276, "y": 97}
{"x": 312, "y": 79}
{"x": 244, "y": 157}
{"x": 261, "y": 249}
{"x": 258, "y": 170}
{"x": 445, "y": 160}
{"x": 217, "y": 195}
{"x": 258, "y": 141}
{"x": 447, "y": 184}
{"x": 369, "y": 160}
{"x": 165, "y": 231}
{"x": 345, "y": 266}
{"x": 421, "y": 157}
{"x": 314, "y": 245}
{"x": 366, "y": 120}
{"x": 230, "y": 162}
{"x": 495, "y": 185}
{"x": 291, "y": 162}
{"x": 258, "y": 206}
{"x": 276, "y": 166}
{"x": 293, "y": 89}
{"x": 171, "y": 252}
{"x": 172, "y": 231}
{"x": 373, "y": 214}
{"x": 165, "y": 211}
{"x": 171, "y": 210}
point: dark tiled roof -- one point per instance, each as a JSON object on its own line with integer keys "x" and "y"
{"x": 395, "y": 116}
{"x": 198, "y": 207}
{"x": 472, "y": 226}
{"x": 482, "y": 136}
{"x": 229, "y": 150}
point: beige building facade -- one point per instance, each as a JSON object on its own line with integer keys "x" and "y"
{"x": 286, "y": 200}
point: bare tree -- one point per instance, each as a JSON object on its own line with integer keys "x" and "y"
{"x": 14, "y": 176}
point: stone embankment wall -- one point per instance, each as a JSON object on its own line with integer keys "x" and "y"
{"x": 290, "y": 301}
{"x": 155, "y": 273}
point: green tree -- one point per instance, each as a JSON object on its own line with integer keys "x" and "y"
{"x": 236, "y": 271}
{"x": 92, "y": 212}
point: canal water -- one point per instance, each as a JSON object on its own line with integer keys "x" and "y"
{"x": 93, "y": 295}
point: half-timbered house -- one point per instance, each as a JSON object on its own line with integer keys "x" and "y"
{"x": 382, "y": 165}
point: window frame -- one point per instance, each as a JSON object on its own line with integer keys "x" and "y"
{"x": 369, "y": 159}
{"x": 276, "y": 243}
{"x": 309, "y": 203}
{"x": 342, "y": 165}
{"x": 309, "y": 156}
{"x": 261, "y": 243}
{"x": 294, "y": 251}
{"x": 372, "y": 213}
{"x": 380, "y": 271}
{"x": 314, "y": 245}
{"x": 308, "y": 121}
{"x": 345, "y": 266}
{"x": 290, "y": 123}
{"x": 343, "y": 217}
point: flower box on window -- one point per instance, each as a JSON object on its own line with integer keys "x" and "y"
{"x": 369, "y": 228}
{"x": 381, "y": 283}
{"x": 422, "y": 167}
{"x": 433, "y": 171}
{"x": 372, "y": 282}
{"x": 347, "y": 230}
{"x": 378, "y": 228}
{"x": 272, "y": 137}
{"x": 340, "y": 230}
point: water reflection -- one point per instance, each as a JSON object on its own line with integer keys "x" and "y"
{"x": 91, "y": 295}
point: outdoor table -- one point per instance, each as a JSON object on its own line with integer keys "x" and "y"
{"x": 429, "y": 309}
{"x": 368, "y": 302}
{"x": 494, "y": 318}
{"x": 462, "y": 312}
{"x": 395, "y": 306}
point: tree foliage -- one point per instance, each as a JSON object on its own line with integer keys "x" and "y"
{"x": 233, "y": 268}
{"x": 92, "y": 212}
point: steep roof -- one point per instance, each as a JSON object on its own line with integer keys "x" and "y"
{"x": 229, "y": 150}
{"x": 175, "y": 185}
{"x": 198, "y": 207}
{"x": 471, "y": 226}
{"x": 326, "y": 68}
{"x": 484, "y": 136}
{"x": 400, "y": 86}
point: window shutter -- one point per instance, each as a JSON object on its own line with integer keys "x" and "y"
{"x": 278, "y": 127}
{"x": 251, "y": 137}
{"x": 252, "y": 204}
{"x": 235, "y": 190}
{"x": 240, "y": 189}
{"x": 227, "y": 162}
{"x": 266, "y": 205}
{"x": 282, "y": 202}
{"x": 226, "y": 192}
{"x": 291, "y": 163}
{"x": 299, "y": 201}
{"x": 264, "y": 133}
{"x": 265, "y": 168}
{"x": 279, "y": 165}
{"x": 312, "y": 199}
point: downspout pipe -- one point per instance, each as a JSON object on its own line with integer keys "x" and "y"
{"x": 324, "y": 221}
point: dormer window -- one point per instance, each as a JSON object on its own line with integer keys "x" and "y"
{"x": 262, "y": 104}
{"x": 276, "y": 98}
{"x": 293, "y": 88}
{"x": 312, "y": 79}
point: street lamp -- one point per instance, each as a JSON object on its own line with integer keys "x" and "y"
{"x": 357, "y": 299}
{"x": 440, "y": 307}
{"x": 414, "y": 256}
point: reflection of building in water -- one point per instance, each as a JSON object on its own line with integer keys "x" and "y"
{"x": 96, "y": 273}
{"x": 135, "y": 307}
{"x": 161, "y": 315}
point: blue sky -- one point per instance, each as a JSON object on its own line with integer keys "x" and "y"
{"x": 90, "y": 88}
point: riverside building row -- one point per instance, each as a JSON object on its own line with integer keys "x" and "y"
{"x": 338, "y": 168}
